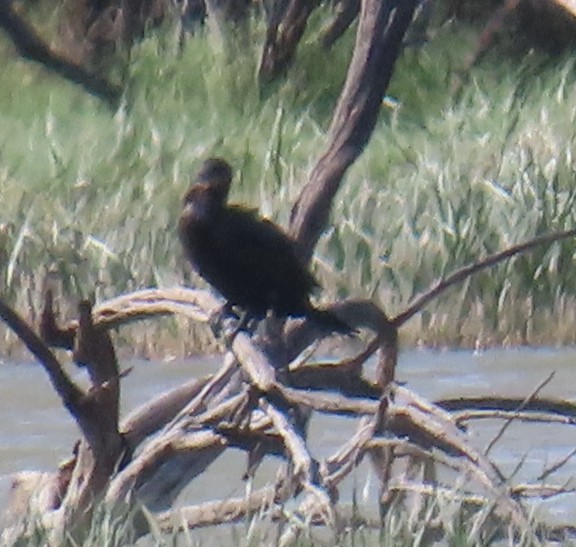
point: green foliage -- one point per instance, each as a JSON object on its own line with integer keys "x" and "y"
{"x": 444, "y": 181}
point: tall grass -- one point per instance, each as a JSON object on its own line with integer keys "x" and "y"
{"x": 94, "y": 196}
{"x": 443, "y": 520}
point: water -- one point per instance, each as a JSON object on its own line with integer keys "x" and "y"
{"x": 36, "y": 433}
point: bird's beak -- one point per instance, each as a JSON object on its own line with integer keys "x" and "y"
{"x": 197, "y": 201}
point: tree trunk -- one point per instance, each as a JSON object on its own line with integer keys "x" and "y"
{"x": 379, "y": 36}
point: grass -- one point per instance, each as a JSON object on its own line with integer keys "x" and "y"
{"x": 94, "y": 196}
{"x": 423, "y": 522}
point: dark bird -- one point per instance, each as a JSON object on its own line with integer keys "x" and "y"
{"x": 249, "y": 260}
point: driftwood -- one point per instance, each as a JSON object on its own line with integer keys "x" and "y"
{"x": 261, "y": 397}
{"x": 261, "y": 406}
{"x": 248, "y": 404}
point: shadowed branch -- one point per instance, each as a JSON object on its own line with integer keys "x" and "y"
{"x": 30, "y": 46}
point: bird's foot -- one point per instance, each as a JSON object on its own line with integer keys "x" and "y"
{"x": 227, "y": 323}
{"x": 216, "y": 320}
{"x": 245, "y": 322}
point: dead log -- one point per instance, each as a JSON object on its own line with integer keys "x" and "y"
{"x": 226, "y": 408}
{"x": 254, "y": 402}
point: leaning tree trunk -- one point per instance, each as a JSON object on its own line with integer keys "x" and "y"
{"x": 379, "y": 36}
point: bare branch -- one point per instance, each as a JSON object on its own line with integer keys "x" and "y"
{"x": 541, "y": 404}
{"x": 515, "y": 415}
{"x": 286, "y": 26}
{"x": 30, "y": 46}
{"x": 556, "y": 466}
{"x": 212, "y": 513}
{"x": 151, "y": 417}
{"x": 346, "y": 12}
{"x": 509, "y": 421}
{"x": 69, "y": 392}
{"x": 463, "y": 273}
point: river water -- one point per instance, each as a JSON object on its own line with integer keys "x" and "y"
{"x": 36, "y": 433}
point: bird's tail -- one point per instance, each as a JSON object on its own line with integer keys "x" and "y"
{"x": 329, "y": 321}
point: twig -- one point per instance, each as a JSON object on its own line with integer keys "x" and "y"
{"x": 554, "y": 467}
{"x": 149, "y": 418}
{"x": 509, "y": 421}
{"x": 463, "y": 273}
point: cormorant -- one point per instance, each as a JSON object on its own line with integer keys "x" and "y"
{"x": 249, "y": 260}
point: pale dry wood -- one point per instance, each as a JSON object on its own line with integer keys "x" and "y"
{"x": 332, "y": 472}
{"x": 198, "y": 305}
{"x": 320, "y": 402}
{"x": 336, "y": 467}
{"x": 187, "y": 437}
{"x": 264, "y": 501}
{"x": 216, "y": 390}
{"x": 267, "y": 504}
{"x": 295, "y": 444}
{"x": 254, "y": 363}
{"x": 483, "y": 479}
{"x": 165, "y": 466}
{"x": 317, "y": 502}
{"x": 518, "y": 416}
{"x": 150, "y": 418}
{"x": 255, "y": 408}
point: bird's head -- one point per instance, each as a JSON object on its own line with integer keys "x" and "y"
{"x": 201, "y": 203}
{"x": 216, "y": 173}
{"x": 208, "y": 194}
